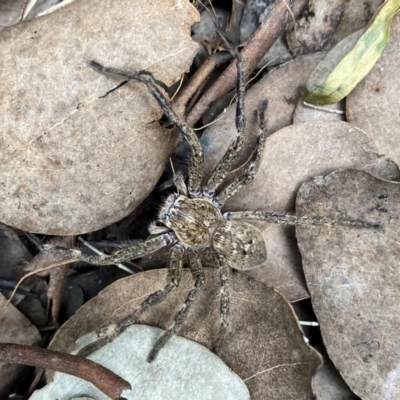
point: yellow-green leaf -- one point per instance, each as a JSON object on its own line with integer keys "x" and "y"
{"x": 359, "y": 61}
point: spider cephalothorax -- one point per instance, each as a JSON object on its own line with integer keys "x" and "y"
{"x": 190, "y": 222}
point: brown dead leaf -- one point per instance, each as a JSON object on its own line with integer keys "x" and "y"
{"x": 79, "y": 153}
{"x": 353, "y": 278}
{"x": 373, "y": 104}
{"x": 264, "y": 345}
{"x": 13, "y": 252}
{"x": 330, "y": 21}
{"x": 328, "y": 384}
{"x": 10, "y": 12}
{"x": 383, "y": 168}
{"x": 14, "y": 328}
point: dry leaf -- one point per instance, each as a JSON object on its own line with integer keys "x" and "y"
{"x": 264, "y": 345}
{"x": 79, "y": 153}
{"x": 13, "y": 252}
{"x": 328, "y": 384}
{"x": 10, "y": 12}
{"x": 14, "y": 328}
{"x": 353, "y": 278}
{"x": 373, "y": 104}
{"x": 330, "y": 21}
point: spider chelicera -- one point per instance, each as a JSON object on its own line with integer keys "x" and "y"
{"x": 190, "y": 221}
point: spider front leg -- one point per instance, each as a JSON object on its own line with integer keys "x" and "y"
{"x": 196, "y": 166}
{"x": 224, "y": 166}
{"x": 198, "y": 276}
{"x": 250, "y": 170}
{"x": 174, "y": 276}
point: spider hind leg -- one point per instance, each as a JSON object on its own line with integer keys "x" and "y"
{"x": 198, "y": 276}
{"x": 174, "y": 276}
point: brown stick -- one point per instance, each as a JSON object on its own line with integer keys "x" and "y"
{"x": 109, "y": 383}
{"x": 198, "y": 78}
{"x": 258, "y": 44}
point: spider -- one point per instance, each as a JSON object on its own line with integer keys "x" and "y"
{"x": 190, "y": 221}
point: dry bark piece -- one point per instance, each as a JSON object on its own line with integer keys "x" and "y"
{"x": 353, "y": 278}
{"x": 14, "y": 328}
{"x": 204, "y": 374}
{"x": 329, "y": 21}
{"x": 78, "y": 155}
{"x": 373, "y": 104}
{"x": 264, "y": 345}
{"x": 253, "y": 15}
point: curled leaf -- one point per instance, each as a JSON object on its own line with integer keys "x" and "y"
{"x": 359, "y": 61}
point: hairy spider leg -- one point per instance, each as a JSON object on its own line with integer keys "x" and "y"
{"x": 251, "y": 169}
{"x": 224, "y": 166}
{"x": 174, "y": 276}
{"x": 196, "y": 166}
{"x": 135, "y": 250}
{"x": 286, "y": 219}
{"x": 198, "y": 276}
{"x": 224, "y": 272}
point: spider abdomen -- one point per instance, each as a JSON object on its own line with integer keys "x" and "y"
{"x": 194, "y": 221}
{"x": 242, "y": 244}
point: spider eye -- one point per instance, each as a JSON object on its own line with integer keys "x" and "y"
{"x": 244, "y": 252}
{"x": 251, "y": 241}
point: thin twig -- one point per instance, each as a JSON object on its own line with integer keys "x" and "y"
{"x": 201, "y": 75}
{"x": 105, "y": 380}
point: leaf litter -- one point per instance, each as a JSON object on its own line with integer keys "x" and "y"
{"x": 205, "y": 375}
{"x": 264, "y": 344}
{"x": 277, "y": 386}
